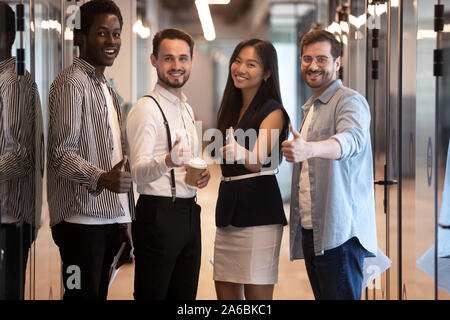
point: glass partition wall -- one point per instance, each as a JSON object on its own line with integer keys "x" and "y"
{"x": 410, "y": 144}
{"x": 389, "y": 56}
{"x": 442, "y": 163}
{"x": 45, "y": 44}
{"x": 22, "y": 151}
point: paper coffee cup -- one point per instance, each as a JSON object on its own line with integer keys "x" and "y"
{"x": 194, "y": 171}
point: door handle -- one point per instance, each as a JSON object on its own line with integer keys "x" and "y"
{"x": 2, "y": 257}
{"x": 386, "y": 182}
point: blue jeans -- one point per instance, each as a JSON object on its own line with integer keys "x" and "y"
{"x": 338, "y": 273}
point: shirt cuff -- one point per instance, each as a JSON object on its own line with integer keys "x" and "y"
{"x": 162, "y": 166}
{"x": 341, "y": 139}
{"x": 95, "y": 188}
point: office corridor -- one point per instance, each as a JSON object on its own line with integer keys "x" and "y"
{"x": 395, "y": 53}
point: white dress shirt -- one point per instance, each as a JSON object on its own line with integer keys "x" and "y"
{"x": 147, "y": 139}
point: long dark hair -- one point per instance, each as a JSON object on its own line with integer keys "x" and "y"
{"x": 232, "y": 97}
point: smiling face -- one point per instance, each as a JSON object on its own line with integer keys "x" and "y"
{"x": 247, "y": 70}
{"x": 318, "y": 66}
{"x": 101, "y": 45}
{"x": 173, "y": 63}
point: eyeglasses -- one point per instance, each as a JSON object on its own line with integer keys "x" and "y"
{"x": 320, "y": 60}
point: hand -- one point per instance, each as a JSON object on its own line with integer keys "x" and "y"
{"x": 233, "y": 151}
{"x": 203, "y": 182}
{"x": 117, "y": 180}
{"x": 179, "y": 156}
{"x": 124, "y": 237}
{"x": 296, "y": 150}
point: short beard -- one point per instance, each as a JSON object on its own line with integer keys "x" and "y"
{"x": 170, "y": 84}
{"x": 326, "y": 79}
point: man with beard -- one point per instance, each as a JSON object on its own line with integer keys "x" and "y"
{"x": 166, "y": 232}
{"x": 332, "y": 220}
{"x": 90, "y": 197}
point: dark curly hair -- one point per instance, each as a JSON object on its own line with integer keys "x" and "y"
{"x": 7, "y": 22}
{"x": 93, "y": 8}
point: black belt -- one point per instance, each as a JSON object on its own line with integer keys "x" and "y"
{"x": 168, "y": 201}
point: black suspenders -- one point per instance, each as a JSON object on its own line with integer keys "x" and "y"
{"x": 169, "y": 143}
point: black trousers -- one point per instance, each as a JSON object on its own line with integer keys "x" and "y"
{"x": 87, "y": 252}
{"x": 167, "y": 248}
{"x": 16, "y": 242}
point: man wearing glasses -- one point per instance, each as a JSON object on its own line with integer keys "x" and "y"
{"x": 332, "y": 219}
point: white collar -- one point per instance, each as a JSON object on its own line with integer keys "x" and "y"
{"x": 169, "y": 95}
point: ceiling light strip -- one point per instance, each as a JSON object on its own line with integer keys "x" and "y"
{"x": 218, "y": 1}
{"x": 205, "y": 19}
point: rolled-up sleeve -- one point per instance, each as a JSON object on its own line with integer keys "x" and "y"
{"x": 352, "y": 125}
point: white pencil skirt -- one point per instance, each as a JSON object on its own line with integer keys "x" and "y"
{"x": 247, "y": 255}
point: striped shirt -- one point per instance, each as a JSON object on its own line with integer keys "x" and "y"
{"x": 21, "y": 146}
{"x": 80, "y": 147}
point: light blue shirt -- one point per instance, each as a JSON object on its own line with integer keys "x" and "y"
{"x": 342, "y": 191}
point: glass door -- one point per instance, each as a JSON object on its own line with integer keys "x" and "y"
{"x": 21, "y": 151}
{"x": 382, "y": 95}
{"x": 42, "y": 49}
{"x": 50, "y": 33}
{"x": 421, "y": 250}
{"x": 442, "y": 199}
{"x": 408, "y": 143}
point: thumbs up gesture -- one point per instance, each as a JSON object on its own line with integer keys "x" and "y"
{"x": 295, "y": 150}
{"x": 180, "y": 154}
{"x": 117, "y": 179}
{"x": 233, "y": 151}
{"x": 120, "y": 165}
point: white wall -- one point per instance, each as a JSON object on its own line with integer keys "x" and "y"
{"x": 200, "y": 88}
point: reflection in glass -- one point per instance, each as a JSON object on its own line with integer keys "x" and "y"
{"x": 20, "y": 141}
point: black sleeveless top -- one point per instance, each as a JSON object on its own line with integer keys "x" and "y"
{"x": 254, "y": 201}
